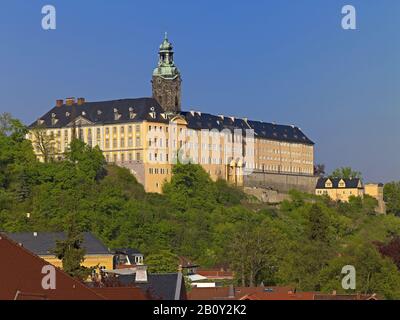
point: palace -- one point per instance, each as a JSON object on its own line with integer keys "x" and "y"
{"x": 148, "y": 135}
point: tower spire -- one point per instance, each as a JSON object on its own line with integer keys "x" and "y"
{"x": 167, "y": 79}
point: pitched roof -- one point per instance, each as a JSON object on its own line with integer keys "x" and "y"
{"x": 43, "y": 243}
{"x": 21, "y": 277}
{"x": 215, "y": 274}
{"x": 350, "y": 183}
{"x": 104, "y": 112}
{"x": 121, "y": 293}
{"x": 279, "y": 296}
{"x": 225, "y": 293}
{"x": 345, "y": 297}
{"x": 168, "y": 286}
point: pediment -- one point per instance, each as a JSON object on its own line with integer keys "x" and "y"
{"x": 178, "y": 119}
{"x": 80, "y": 121}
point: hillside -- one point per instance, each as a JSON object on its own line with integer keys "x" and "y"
{"x": 305, "y": 242}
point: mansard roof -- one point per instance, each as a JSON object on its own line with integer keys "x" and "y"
{"x": 352, "y": 183}
{"x": 148, "y": 109}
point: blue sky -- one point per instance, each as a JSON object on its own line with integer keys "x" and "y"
{"x": 285, "y": 61}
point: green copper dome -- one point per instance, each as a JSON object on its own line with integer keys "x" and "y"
{"x": 166, "y": 67}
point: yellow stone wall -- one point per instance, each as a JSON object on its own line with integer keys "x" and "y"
{"x": 153, "y": 146}
{"x": 103, "y": 261}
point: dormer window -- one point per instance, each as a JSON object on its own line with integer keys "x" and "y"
{"x": 342, "y": 184}
{"x": 132, "y": 115}
{"x": 328, "y": 184}
{"x": 67, "y": 114}
{"x": 83, "y": 113}
{"x": 99, "y": 112}
{"x": 40, "y": 122}
{"x": 152, "y": 114}
{"x": 117, "y": 116}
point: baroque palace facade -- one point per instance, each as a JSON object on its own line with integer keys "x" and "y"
{"x": 148, "y": 135}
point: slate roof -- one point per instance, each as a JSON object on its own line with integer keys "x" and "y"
{"x": 103, "y": 112}
{"x": 168, "y": 286}
{"x": 350, "y": 183}
{"x": 45, "y": 242}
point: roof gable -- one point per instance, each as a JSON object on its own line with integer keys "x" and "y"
{"x": 21, "y": 277}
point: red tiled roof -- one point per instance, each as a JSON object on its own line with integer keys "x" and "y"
{"x": 21, "y": 277}
{"x": 321, "y": 296}
{"x": 279, "y": 296}
{"x": 223, "y": 293}
{"x": 215, "y": 274}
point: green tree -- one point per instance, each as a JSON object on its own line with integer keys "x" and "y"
{"x": 72, "y": 254}
{"x": 190, "y": 187}
{"x": 318, "y": 224}
{"x": 43, "y": 142}
{"x": 345, "y": 173}
{"x": 163, "y": 261}
{"x": 391, "y": 195}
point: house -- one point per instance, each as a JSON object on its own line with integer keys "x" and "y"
{"x": 203, "y": 278}
{"x": 339, "y": 189}
{"x": 22, "y": 274}
{"x": 127, "y": 257}
{"x": 166, "y": 286}
{"x": 44, "y": 243}
{"x": 216, "y": 274}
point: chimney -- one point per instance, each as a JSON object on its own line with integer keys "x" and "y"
{"x": 141, "y": 273}
{"x": 231, "y": 292}
{"x": 81, "y": 101}
{"x": 59, "y": 102}
{"x": 70, "y": 101}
